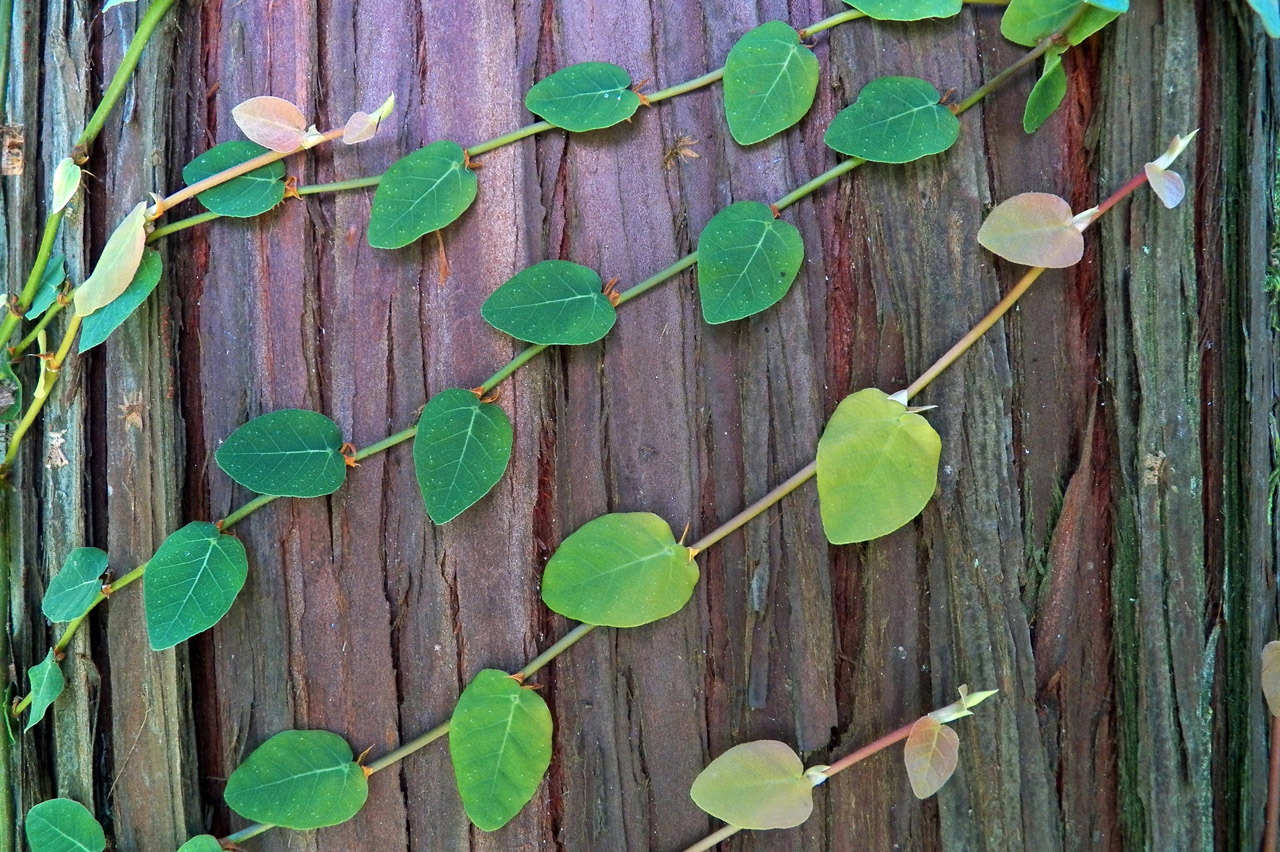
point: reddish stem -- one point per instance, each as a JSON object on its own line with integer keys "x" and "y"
{"x": 870, "y": 749}
{"x": 1136, "y": 181}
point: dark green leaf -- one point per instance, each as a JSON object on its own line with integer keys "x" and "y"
{"x": 500, "y": 743}
{"x": 586, "y": 96}
{"x": 46, "y": 685}
{"x": 191, "y": 582}
{"x": 907, "y": 10}
{"x": 877, "y": 467}
{"x": 894, "y": 120}
{"x": 620, "y": 570}
{"x": 62, "y": 825}
{"x": 555, "y": 302}
{"x": 1269, "y": 12}
{"x": 757, "y": 785}
{"x": 747, "y": 260}
{"x": 299, "y": 780}
{"x": 1047, "y": 93}
{"x": 769, "y": 82}
{"x": 201, "y": 843}
{"x": 76, "y": 586}
{"x": 460, "y": 452}
{"x": 1025, "y": 22}
{"x": 55, "y": 272}
{"x": 288, "y": 453}
{"x": 420, "y": 193}
{"x": 98, "y": 327}
{"x": 248, "y": 195}
{"x": 10, "y": 393}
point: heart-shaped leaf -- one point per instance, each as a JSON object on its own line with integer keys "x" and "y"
{"x": 1035, "y": 229}
{"x": 201, "y": 843}
{"x": 500, "y": 744}
{"x": 420, "y": 193}
{"x": 877, "y": 467}
{"x": 98, "y": 327}
{"x": 271, "y": 122}
{"x": 586, "y": 96}
{"x": 747, "y": 260}
{"x": 931, "y": 755}
{"x": 191, "y": 582}
{"x": 1166, "y": 184}
{"x": 1269, "y": 12}
{"x": 554, "y": 302}
{"x": 10, "y": 393}
{"x": 299, "y": 780}
{"x": 1271, "y": 676}
{"x": 288, "y": 453}
{"x": 116, "y": 265}
{"x": 1047, "y": 93}
{"x": 62, "y": 825}
{"x": 757, "y": 785}
{"x": 1025, "y": 22}
{"x": 76, "y": 586}
{"x": 55, "y": 273}
{"x": 620, "y": 570}
{"x": 46, "y": 685}
{"x": 66, "y": 180}
{"x": 460, "y": 452}
{"x": 894, "y": 120}
{"x": 907, "y": 10}
{"x": 769, "y": 82}
{"x": 247, "y": 195}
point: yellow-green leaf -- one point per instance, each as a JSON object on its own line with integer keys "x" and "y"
{"x": 757, "y": 785}
{"x": 1035, "y": 229}
{"x": 1271, "y": 676}
{"x": 66, "y": 180}
{"x": 116, "y": 265}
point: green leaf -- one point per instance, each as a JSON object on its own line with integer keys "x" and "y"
{"x": 117, "y": 263}
{"x": 1047, "y": 93}
{"x": 554, "y": 302}
{"x": 98, "y": 327}
{"x": 1271, "y": 676}
{"x": 747, "y": 260}
{"x": 248, "y": 195}
{"x": 288, "y": 453}
{"x": 10, "y": 393}
{"x": 931, "y": 755}
{"x": 55, "y": 273}
{"x": 1025, "y": 22}
{"x": 500, "y": 743}
{"x": 907, "y": 10}
{"x": 62, "y": 825}
{"x": 586, "y": 96}
{"x": 620, "y": 570}
{"x": 76, "y": 586}
{"x": 460, "y": 452}
{"x": 1269, "y": 11}
{"x": 201, "y": 843}
{"x": 877, "y": 467}
{"x": 769, "y": 82}
{"x": 1117, "y": 6}
{"x": 299, "y": 780}
{"x": 420, "y": 193}
{"x": 757, "y": 785}
{"x": 894, "y": 120}
{"x": 191, "y": 582}
{"x": 66, "y": 180}
{"x": 1035, "y": 229}
{"x": 46, "y": 685}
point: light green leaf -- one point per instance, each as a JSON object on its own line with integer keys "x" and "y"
{"x": 116, "y": 265}
{"x": 66, "y": 180}
{"x": 191, "y": 582}
{"x": 420, "y": 193}
{"x": 1117, "y": 6}
{"x": 500, "y": 743}
{"x": 554, "y": 302}
{"x": 757, "y": 785}
{"x": 55, "y": 273}
{"x": 299, "y": 780}
{"x": 46, "y": 685}
{"x": 248, "y": 195}
{"x": 288, "y": 453}
{"x": 769, "y": 82}
{"x": 1035, "y": 229}
{"x": 907, "y": 10}
{"x": 747, "y": 260}
{"x": 10, "y": 393}
{"x": 931, "y": 755}
{"x": 201, "y": 843}
{"x": 877, "y": 467}
{"x": 586, "y": 96}
{"x": 894, "y": 120}
{"x": 1269, "y": 11}
{"x": 97, "y": 328}
{"x": 620, "y": 570}
{"x": 460, "y": 452}
{"x": 63, "y": 825}
{"x": 1271, "y": 676}
{"x": 76, "y": 586}
{"x": 1047, "y": 93}
{"x": 1025, "y": 22}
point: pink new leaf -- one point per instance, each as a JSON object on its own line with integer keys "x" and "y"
{"x": 271, "y": 122}
{"x": 931, "y": 754}
{"x": 1035, "y": 229}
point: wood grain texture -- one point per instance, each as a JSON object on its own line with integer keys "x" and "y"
{"x": 1099, "y": 547}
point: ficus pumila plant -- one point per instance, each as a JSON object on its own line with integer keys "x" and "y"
{"x": 875, "y": 464}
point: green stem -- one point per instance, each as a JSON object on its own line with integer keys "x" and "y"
{"x": 840, "y": 168}
{"x": 507, "y": 138}
{"x": 182, "y": 225}
{"x": 687, "y": 86}
{"x": 54, "y": 310}
{"x": 6, "y": 38}
{"x": 50, "y": 370}
{"x": 654, "y": 280}
{"x": 387, "y": 443}
{"x": 792, "y": 482}
{"x": 29, "y": 289}
{"x": 246, "y": 510}
{"x": 340, "y": 185}
{"x": 524, "y": 357}
{"x": 711, "y": 840}
{"x": 566, "y": 642}
{"x": 834, "y": 20}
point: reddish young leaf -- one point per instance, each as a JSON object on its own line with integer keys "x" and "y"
{"x": 1035, "y": 229}
{"x": 1271, "y": 676}
{"x": 360, "y": 127}
{"x": 931, "y": 755}
{"x": 271, "y": 122}
{"x": 1166, "y": 184}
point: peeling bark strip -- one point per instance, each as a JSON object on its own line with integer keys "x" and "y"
{"x": 1103, "y": 487}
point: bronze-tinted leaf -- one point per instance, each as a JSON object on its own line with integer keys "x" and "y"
{"x": 931, "y": 754}
{"x": 271, "y": 122}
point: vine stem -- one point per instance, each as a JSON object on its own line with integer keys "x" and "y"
{"x": 49, "y": 374}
